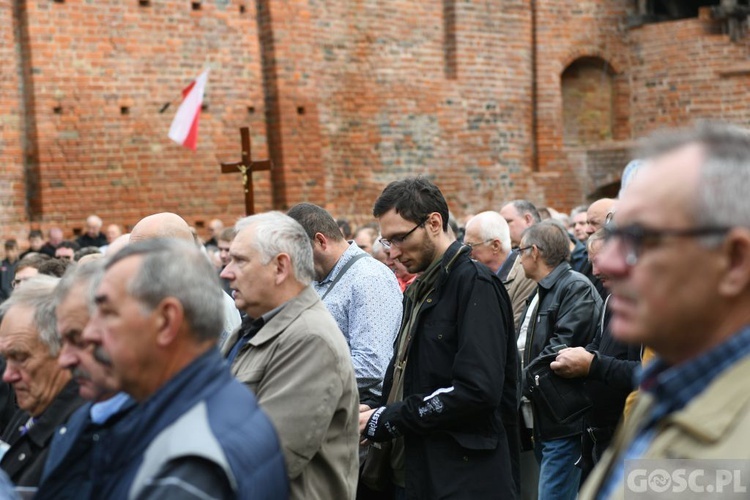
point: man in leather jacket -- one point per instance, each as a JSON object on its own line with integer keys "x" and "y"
{"x": 563, "y": 313}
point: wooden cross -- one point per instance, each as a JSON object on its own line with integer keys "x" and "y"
{"x": 246, "y": 166}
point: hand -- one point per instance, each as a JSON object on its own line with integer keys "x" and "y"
{"x": 572, "y": 362}
{"x": 365, "y": 412}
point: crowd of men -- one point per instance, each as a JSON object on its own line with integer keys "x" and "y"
{"x": 289, "y": 357}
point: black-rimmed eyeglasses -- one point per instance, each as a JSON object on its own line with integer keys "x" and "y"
{"x": 635, "y": 238}
{"x": 397, "y": 241}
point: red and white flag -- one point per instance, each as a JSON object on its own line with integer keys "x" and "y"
{"x": 184, "y": 129}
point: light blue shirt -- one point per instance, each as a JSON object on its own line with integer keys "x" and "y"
{"x": 367, "y": 306}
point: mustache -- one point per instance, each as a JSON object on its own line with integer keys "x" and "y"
{"x": 101, "y": 356}
{"x": 80, "y": 374}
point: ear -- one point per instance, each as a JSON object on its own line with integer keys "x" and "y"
{"x": 736, "y": 276}
{"x": 529, "y": 219}
{"x": 321, "y": 240}
{"x": 283, "y": 267}
{"x": 434, "y": 223}
{"x": 170, "y": 317}
{"x": 496, "y": 246}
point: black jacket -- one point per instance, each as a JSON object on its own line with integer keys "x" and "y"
{"x": 24, "y": 461}
{"x": 459, "y": 414}
{"x": 567, "y": 314}
{"x": 610, "y": 377}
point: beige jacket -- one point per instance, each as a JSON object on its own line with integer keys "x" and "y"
{"x": 299, "y": 367}
{"x": 715, "y": 425}
{"x": 519, "y": 288}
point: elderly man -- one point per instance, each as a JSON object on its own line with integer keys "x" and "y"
{"x": 361, "y": 293}
{"x": 519, "y": 214}
{"x": 169, "y": 225}
{"x": 448, "y": 414}
{"x": 365, "y": 238}
{"x": 694, "y": 402}
{"x": 215, "y": 227}
{"x": 45, "y": 393}
{"x": 488, "y": 236}
{"x": 293, "y": 356}
{"x": 66, "y": 473}
{"x": 563, "y": 313}
{"x": 93, "y": 236}
{"x": 598, "y": 213}
{"x": 197, "y": 432}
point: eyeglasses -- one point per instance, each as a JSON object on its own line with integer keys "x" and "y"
{"x": 523, "y": 249}
{"x": 635, "y": 238}
{"x": 478, "y": 244}
{"x": 397, "y": 241}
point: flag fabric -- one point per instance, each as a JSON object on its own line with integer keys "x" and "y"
{"x": 184, "y": 129}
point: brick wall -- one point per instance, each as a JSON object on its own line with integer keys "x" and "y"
{"x": 12, "y": 187}
{"x": 344, "y": 96}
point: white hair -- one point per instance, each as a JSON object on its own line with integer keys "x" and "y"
{"x": 37, "y": 294}
{"x": 492, "y": 226}
{"x": 277, "y": 233}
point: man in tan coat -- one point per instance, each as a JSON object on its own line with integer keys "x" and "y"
{"x": 293, "y": 356}
{"x": 678, "y": 262}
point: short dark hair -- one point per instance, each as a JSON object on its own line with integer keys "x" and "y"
{"x": 69, "y": 244}
{"x": 35, "y": 233}
{"x": 414, "y": 199}
{"x": 345, "y": 227}
{"x": 54, "y": 267}
{"x": 526, "y": 207}
{"x": 11, "y": 244}
{"x": 315, "y": 219}
{"x": 551, "y": 240}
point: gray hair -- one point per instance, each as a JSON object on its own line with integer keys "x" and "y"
{"x": 89, "y": 275}
{"x": 37, "y": 294}
{"x": 580, "y": 209}
{"x": 277, "y": 233}
{"x": 598, "y": 236}
{"x": 492, "y": 226}
{"x": 721, "y": 198}
{"x": 551, "y": 239}
{"x": 176, "y": 268}
{"x": 524, "y": 207}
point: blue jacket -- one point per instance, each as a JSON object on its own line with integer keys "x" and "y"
{"x": 201, "y": 412}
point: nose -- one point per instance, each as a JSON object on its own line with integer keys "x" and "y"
{"x": 92, "y": 331}
{"x": 610, "y": 261}
{"x": 11, "y": 374}
{"x": 67, "y": 358}
{"x": 227, "y": 273}
{"x": 394, "y": 252}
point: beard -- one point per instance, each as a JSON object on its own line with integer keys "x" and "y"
{"x": 424, "y": 256}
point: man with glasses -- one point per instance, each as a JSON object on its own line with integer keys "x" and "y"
{"x": 447, "y": 421}
{"x": 563, "y": 313}
{"x": 488, "y": 236}
{"x": 678, "y": 262}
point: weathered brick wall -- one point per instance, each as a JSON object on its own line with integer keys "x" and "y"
{"x": 344, "y": 96}
{"x": 101, "y": 72}
{"x": 686, "y": 70}
{"x": 568, "y": 30}
{"x": 12, "y": 188}
{"x": 436, "y": 88}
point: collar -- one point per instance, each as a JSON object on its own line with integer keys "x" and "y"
{"x": 101, "y": 412}
{"x": 674, "y": 387}
{"x": 549, "y": 281}
{"x": 345, "y": 257}
{"x": 307, "y": 298}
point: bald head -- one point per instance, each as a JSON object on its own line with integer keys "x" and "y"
{"x": 596, "y": 215}
{"x": 162, "y": 225}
